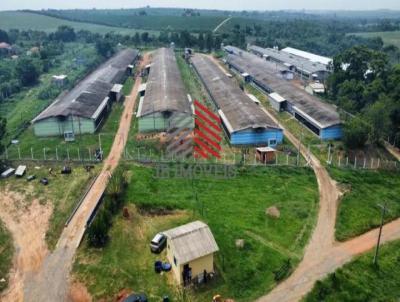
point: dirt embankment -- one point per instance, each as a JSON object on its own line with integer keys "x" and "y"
{"x": 28, "y": 221}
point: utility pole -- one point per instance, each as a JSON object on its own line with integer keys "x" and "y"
{"x": 384, "y": 209}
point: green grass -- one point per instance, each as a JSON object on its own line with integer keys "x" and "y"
{"x": 388, "y": 37}
{"x": 364, "y": 190}
{"x": 31, "y": 21}
{"x": 63, "y": 192}
{"x": 361, "y": 281}
{"x": 130, "y": 19}
{"x": 233, "y": 208}
{"x": 6, "y": 254}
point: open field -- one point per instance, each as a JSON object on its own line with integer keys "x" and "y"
{"x": 31, "y": 21}
{"x": 364, "y": 190}
{"x": 388, "y": 37}
{"x": 360, "y": 280}
{"x": 6, "y": 253}
{"x": 130, "y": 19}
{"x": 234, "y": 209}
{"x": 63, "y": 193}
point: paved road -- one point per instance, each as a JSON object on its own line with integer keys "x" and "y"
{"x": 51, "y": 282}
{"x": 323, "y": 255}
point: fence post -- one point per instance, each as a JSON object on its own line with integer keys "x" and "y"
{"x": 32, "y": 153}
{"x": 379, "y": 163}
{"x": 57, "y": 153}
{"x": 347, "y": 161}
{"x": 79, "y": 155}
{"x": 372, "y": 163}
{"x": 287, "y": 159}
{"x": 365, "y": 162}
{"x": 90, "y": 154}
{"x": 44, "y": 153}
{"x": 276, "y": 159}
{"x": 19, "y": 153}
{"x": 340, "y": 159}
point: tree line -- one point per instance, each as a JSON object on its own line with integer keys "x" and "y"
{"x": 366, "y": 85}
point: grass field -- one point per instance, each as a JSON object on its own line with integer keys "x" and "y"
{"x": 6, "y": 254}
{"x": 63, "y": 192}
{"x": 31, "y": 21}
{"x": 130, "y": 19}
{"x": 361, "y": 281}
{"x": 233, "y": 208}
{"x": 388, "y": 37}
{"x": 358, "y": 210}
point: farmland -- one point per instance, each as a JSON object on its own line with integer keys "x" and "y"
{"x": 234, "y": 208}
{"x": 31, "y": 21}
{"x": 360, "y": 280}
{"x": 130, "y": 19}
{"x": 364, "y": 190}
{"x": 388, "y": 37}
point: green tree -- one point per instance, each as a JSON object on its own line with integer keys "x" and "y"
{"x": 65, "y": 33}
{"x": 27, "y": 71}
{"x": 378, "y": 115}
{"x": 355, "y": 133}
{"x": 4, "y": 36}
{"x": 105, "y": 48}
{"x": 3, "y": 131}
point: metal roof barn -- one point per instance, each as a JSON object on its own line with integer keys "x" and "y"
{"x": 87, "y": 100}
{"x": 301, "y": 64}
{"x": 238, "y": 112}
{"x": 264, "y": 74}
{"x": 308, "y": 55}
{"x": 165, "y": 98}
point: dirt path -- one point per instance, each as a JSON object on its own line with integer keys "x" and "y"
{"x": 222, "y": 23}
{"x": 51, "y": 282}
{"x": 323, "y": 255}
{"x": 28, "y": 224}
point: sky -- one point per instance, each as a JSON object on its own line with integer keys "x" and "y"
{"x": 211, "y": 4}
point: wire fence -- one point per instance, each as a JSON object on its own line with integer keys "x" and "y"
{"x": 144, "y": 155}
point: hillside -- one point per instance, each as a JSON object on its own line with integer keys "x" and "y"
{"x": 26, "y": 21}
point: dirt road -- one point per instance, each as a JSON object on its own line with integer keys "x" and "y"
{"x": 51, "y": 282}
{"x": 30, "y": 246}
{"x": 323, "y": 255}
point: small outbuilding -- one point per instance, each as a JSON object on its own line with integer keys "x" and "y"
{"x": 190, "y": 249}
{"x": 265, "y": 155}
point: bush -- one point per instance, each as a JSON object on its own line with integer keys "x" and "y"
{"x": 355, "y": 133}
{"x": 113, "y": 201}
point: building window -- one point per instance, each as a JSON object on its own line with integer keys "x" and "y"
{"x": 272, "y": 142}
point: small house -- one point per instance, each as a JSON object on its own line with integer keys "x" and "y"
{"x": 59, "y": 80}
{"x": 265, "y": 155}
{"x": 190, "y": 249}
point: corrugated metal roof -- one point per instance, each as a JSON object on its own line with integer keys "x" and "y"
{"x": 264, "y": 74}
{"x": 308, "y": 55}
{"x": 165, "y": 91}
{"x": 241, "y": 112}
{"x": 191, "y": 241}
{"x": 300, "y": 63}
{"x": 84, "y": 99}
